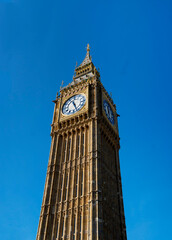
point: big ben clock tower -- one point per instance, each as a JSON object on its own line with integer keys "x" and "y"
{"x": 83, "y": 194}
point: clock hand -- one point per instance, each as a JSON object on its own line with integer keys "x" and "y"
{"x": 110, "y": 114}
{"x": 74, "y": 105}
{"x": 107, "y": 110}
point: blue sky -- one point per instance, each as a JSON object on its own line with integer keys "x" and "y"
{"x": 40, "y": 42}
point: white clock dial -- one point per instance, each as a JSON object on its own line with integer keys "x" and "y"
{"x": 109, "y": 112}
{"x": 73, "y": 104}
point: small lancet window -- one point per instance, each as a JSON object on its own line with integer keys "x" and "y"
{"x": 66, "y": 187}
{"x": 54, "y": 147}
{"x": 82, "y": 178}
{"x": 62, "y": 229}
{"x": 61, "y": 190}
{"x": 65, "y": 148}
{"x": 83, "y": 144}
{"x": 80, "y": 227}
{"x": 76, "y": 189}
{"x": 57, "y": 230}
{"x": 74, "y": 227}
{"x": 69, "y": 149}
{"x": 86, "y": 221}
{"x": 78, "y": 146}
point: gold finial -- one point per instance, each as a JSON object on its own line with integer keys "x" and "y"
{"x": 88, "y": 47}
{"x": 62, "y": 84}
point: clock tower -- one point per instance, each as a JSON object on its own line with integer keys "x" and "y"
{"x": 83, "y": 194}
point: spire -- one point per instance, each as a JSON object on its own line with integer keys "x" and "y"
{"x": 87, "y": 58}
{"x": 86, "y": 69}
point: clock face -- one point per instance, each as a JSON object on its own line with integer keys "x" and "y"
{"x": 73, "y": 104}
{"x": 109, "y": 112}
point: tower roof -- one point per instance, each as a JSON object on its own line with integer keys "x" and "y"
{"x": 86, "y": 68}
{"x": 84, "y": 71}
